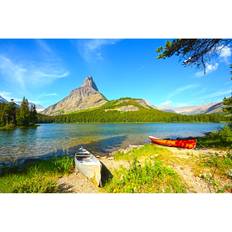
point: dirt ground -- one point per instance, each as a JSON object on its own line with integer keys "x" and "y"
{"x": 77, "y": 183}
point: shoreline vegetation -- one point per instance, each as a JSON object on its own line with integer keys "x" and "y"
{"x": 129, "y": 117}
{"x": 145, "y": 168}
{"x": 12, "y": 127}
{"x": 13, "y": 116}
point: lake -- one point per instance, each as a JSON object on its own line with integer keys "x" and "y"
{"x": 99, "y": 138}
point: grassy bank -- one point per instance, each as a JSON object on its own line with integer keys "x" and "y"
{"x": 147, "y": 172}
{"x": 156, "y": 169}
{"x": 143, "y": 169}
{"x": 216, "y": 170}
{"x": 152, "y": 176}
{"x": 36, "y": 177}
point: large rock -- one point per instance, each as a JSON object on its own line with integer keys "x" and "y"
{"x": 85, "y": 97}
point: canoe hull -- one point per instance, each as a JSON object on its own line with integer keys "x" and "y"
{"x": 89, "y": 166}
{"x": 181, "y": 143}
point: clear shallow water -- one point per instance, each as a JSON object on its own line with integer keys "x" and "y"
{"x": 99, "y": 138}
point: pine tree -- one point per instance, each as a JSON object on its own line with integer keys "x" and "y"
{"x": 33, "y": 114}
{"x": 9, "y": 113}
{"x": 23, "y": 116}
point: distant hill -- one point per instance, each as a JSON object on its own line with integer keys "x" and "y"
{"x": 3, "y": 100}
{"x": 216, "y": 108}
{"x": 127, "y": 110}
{"x": 120, "y": 110}
{"x": 39, "y": 108}
{"x": 193, "y": 110}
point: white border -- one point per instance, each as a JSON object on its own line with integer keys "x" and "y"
{"x": 115, "y": 19}
{"x": 115, "y": 212}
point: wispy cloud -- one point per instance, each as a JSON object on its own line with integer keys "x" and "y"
{"x": 168, "y": 104}
{"x": 92, "y": 50}
{"x": 48, "y": 95}
{"x": 165, "y": 104}
{"x": 28, "y": 75}
{"x": 208, "y": 69}
{"x": 44, "y": 47}
{"x": 225, "y": 53}
{"x": 5, "y": 94}
{"x": 220, "y": 93}
{"x": 8, "y": 96}
{"x": 35, "y": 72}
{"x": 181, "y": 90}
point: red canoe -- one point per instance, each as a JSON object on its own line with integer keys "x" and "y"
{"x": 182, "y": 143}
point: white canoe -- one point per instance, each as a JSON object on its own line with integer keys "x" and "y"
{"x": 88, "y": 165}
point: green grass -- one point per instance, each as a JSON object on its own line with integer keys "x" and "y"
{"x": 216, "y": 139}
{"x": 36, "y": 177}
{"x": 150, "y": 177}
{"x": 8, "y": 127}
{"x": 154, "y": 170}
{"x": 148, "y": 150}
{"x": 216, "y": 170}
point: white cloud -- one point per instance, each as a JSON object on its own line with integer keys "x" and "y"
{"x": 224, "y": 52}
{"x": 91, "y": 50}
{"x": 44, "y": 47}
{"x": 165, "y": 104}
{"x": 208, "y": 69}
{"x": 181, "y": 90}
{"x": 48, "y": 95}
{"x": 168, "y": 104}
{"x": 27, "y": 75}
{"x": 24, "y": 74}
{"x": 220, "y": 93}
{"x": 5, "y": 94}
{"x": 8, "y": 96}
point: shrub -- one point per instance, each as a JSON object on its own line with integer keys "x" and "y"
{"x": 153, "y": 176}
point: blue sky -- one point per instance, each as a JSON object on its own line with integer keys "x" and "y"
{"x": 45, "y": 71}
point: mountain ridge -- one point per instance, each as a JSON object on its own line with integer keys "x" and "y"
{"x": 197, "y": 109}
{"x": 3, "y": 100}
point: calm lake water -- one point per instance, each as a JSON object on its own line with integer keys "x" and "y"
{"x": 99, "y": 138}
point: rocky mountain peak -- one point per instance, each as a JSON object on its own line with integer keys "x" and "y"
{"x": 85, "y": 97}
{"x": 89, "y": 82}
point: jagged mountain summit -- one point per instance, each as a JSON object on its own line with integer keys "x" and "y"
{"x": 85, "y": 97}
